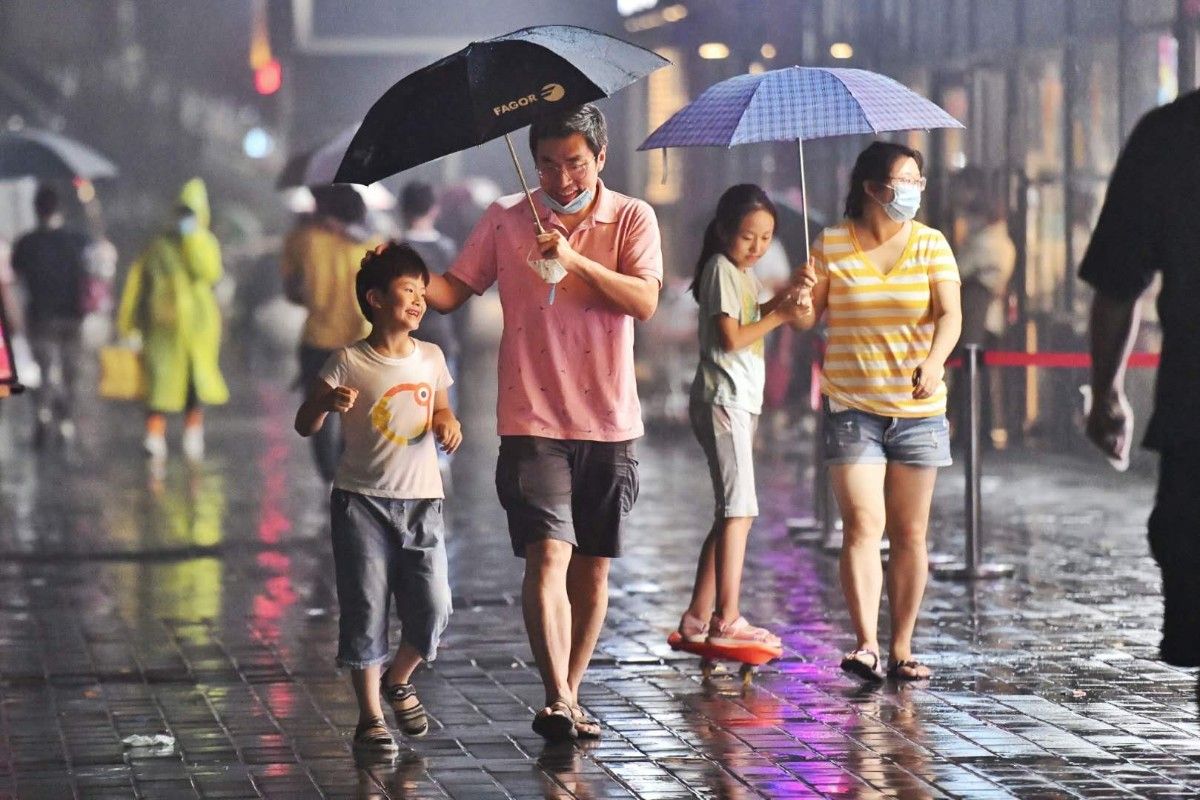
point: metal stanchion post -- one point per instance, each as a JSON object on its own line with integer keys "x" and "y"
{"x": 973, "y": 566}
{"x": 831, "y": 527}
{"x": 809, "y": 530}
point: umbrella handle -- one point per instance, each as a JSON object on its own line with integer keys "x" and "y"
{"x": 521, "y": 174}
{"x": 804, "y": 199}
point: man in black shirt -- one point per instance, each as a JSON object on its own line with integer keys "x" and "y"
{"x": 49, "y": 262}
{"x": 1151, "y": 223}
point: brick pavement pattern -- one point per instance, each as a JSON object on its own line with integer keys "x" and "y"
{"x": 200, "y": 603}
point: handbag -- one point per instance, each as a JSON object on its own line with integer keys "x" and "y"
{"x": 122, "y": 375}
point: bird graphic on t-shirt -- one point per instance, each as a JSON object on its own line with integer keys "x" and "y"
{"x": 398, "y": 402}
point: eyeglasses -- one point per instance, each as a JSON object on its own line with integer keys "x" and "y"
{"x": 916, "y": 183}
{"x": 576, "y": 170}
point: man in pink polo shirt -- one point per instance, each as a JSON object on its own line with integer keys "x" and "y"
{"x": 568, "y": 410}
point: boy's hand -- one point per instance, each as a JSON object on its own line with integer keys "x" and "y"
{"x": 341, "y": 399}
{"x": 448, "y": 431}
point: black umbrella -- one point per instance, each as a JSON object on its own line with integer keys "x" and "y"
{"x": 486, "y": 90}
{"x": 49, "y": 156}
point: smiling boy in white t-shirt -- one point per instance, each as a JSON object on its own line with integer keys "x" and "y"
{"x": 386, "y": 505}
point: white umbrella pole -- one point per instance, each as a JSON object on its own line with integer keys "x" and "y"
{"x": 521, "y": 174}
{"x": 804, "y": 198}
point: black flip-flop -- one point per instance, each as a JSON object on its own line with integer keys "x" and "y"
{"x": 860, "y": 669}
{"x": 895, "y": 667}
{"x": 557, "y": 724}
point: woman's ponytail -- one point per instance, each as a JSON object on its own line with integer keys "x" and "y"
{"x": 712, "y": 245}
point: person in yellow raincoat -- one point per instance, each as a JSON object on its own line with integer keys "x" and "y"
{"x": 168, "y": 299}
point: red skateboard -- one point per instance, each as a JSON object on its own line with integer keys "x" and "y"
{"x": 749, "y": 656}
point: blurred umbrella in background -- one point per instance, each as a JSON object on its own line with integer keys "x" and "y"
{"x": 798, "y": 103}
{"x": 318, "y": 166}
{"x": 50, "y": 156}
{"x": 487, "y": 90}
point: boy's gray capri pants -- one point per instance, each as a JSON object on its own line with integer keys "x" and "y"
{"x": 384, "y": 549}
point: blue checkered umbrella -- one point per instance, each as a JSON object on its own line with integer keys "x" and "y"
{"x": 797, "y": 103}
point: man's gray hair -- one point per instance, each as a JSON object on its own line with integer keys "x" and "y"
{"x": 585, "y": 119}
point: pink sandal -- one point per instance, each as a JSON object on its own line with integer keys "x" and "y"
{"x": 692, "y": 629}
{"x": 741, "y": 633}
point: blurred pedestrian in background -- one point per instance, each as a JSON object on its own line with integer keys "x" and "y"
{"x": 1148, "y": 225}
{"x": 986, "y": 262}
{"x": 10, "y": 316}
{"x": 420, "y": 208}
{"x": 891, "y": 289}
{"x": 50, "y": 263}
{"x": 168, "y": 302}
{"x": 321, "y": 258}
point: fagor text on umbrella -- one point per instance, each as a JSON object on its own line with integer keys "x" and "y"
{"x": 551, "y": 93}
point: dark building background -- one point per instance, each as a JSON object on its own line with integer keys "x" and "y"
{"x": 1048, "y": 90}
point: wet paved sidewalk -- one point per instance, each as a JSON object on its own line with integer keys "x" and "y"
{"x": 200, "y": 603}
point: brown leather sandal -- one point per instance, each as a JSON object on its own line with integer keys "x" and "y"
{"x": 556, "y": 723}
{"x": 585, "y": 726}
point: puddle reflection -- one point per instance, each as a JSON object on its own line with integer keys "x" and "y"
{"x": 894, "y": 757}
{"x": 167, "y": 529}
{"x": 728, "y": 719}
{"x": 384, "y": 776}
{"x": 560, "y": 767}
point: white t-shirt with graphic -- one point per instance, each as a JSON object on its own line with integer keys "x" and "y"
{"x": 390, "y": 447}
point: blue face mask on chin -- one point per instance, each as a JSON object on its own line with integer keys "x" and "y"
{"x": 574, "y": 207}
{"x": 906, "y": 201}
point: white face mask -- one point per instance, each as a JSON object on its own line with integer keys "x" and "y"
{"x": 574, "y": 207}
{"x": 906, "y": 201}
{"x": 188, "y": 224}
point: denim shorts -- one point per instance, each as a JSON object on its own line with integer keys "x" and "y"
{"x": 857, "y": 437}
{"x": 385, "y": 550}
{"x": 572, "y": 490}
{"x": 726, "y": 436}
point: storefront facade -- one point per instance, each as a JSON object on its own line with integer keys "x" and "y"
{"x": 1048, "y": 90}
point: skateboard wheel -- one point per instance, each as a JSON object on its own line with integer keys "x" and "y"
{"x": 747, "y": 673}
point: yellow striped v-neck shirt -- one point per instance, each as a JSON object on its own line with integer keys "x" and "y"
{"x": 880, "y": 325}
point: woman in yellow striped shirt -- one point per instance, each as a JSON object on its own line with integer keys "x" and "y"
{"x": 891, "y": 289}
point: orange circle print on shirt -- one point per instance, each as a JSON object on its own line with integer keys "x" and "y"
{"x": 420, "y": 394}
